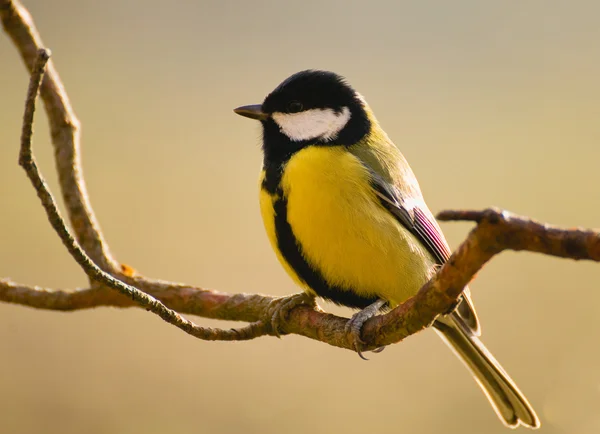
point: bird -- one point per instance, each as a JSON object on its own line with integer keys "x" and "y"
{"x": 346, "y": 218}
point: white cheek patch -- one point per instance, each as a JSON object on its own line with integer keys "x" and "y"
{"x": 324, "y": 124}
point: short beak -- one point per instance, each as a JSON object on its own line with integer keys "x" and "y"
{"x": 253, "y": 111}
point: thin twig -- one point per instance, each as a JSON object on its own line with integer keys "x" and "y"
{"x": 64, "y": 128}
{"x": 27, "y": 161}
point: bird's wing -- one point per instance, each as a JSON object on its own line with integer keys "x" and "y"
{"x": 418, "y": 220}
{"x": 413, "y": 217}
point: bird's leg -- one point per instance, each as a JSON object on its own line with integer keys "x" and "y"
{"x": 280, "y": 308}
{"x": 355, "y": 324}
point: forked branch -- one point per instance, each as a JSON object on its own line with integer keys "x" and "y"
{"x": 95, "y": 273}
{"x": 64, "y": 128}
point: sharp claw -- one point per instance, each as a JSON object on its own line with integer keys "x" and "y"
{"x": 378, "y": 350}
{"x": 360, "y": 354}
{"x": 358, "y": 351}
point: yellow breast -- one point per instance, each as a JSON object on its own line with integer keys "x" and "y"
{"x": 342, "y": 229}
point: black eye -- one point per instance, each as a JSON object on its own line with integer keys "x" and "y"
{"x": 294, "y": 106}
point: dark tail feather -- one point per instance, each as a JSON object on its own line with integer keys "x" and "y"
{"x": 508, "y": 401}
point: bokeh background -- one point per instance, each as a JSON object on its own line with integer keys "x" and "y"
{"x": 493, "y": 103}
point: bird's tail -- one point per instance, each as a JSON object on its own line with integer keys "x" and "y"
{"x": 506, "y": 399}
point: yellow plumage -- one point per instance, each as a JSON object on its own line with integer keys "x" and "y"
{"x": 343, "y": 230}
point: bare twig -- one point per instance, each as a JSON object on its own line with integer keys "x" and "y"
{"x": 64, "y": 127}
{"x": 27, "y": 161}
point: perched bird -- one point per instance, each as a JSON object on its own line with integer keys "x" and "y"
{"x": 347, "y": 220}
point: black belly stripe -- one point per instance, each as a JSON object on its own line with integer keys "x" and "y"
{"x": 291, "y": 250}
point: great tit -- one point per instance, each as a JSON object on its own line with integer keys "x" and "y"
{"x": 346, "y": 217}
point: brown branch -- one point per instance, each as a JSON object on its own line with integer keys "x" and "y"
{"x": 95, "y": 273}
{"x": 64, "y": 128}
{"x": 182, "y": 298}
{"x": 495, "y": 231}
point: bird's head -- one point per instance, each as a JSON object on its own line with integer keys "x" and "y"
{"x": 309, "y": 108}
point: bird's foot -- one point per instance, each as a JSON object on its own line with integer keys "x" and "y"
{"x": 355, "y": 324}
{"x": 280, "y": 308}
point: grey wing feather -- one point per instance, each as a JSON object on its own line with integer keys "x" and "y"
{"x": 422, "y": 225}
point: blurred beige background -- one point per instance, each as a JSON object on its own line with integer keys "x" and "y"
{"x": 493, "y": 104}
